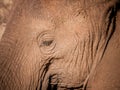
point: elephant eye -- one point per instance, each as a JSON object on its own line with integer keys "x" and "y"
{"x": 47, "y": 42}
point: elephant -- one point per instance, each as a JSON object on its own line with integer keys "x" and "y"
{"x": 61, "y": 45}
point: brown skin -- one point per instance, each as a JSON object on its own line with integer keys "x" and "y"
{"x": 58, "y": 45}
{"x": 107, "y": 73}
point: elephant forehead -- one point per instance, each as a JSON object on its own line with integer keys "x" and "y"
{"x": 48, "y": 15}
{"x": 57, "y": 23}
{"x": 54, "y": 8}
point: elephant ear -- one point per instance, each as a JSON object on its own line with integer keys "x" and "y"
{"x": 108, "y": 25}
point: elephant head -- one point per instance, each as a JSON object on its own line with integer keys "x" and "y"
{"x": 57, "y": 44}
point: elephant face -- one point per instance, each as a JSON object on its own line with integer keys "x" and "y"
{"x": 50, "y": 45}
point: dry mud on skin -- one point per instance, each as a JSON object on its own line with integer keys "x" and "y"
{"x": 5, "y": 6}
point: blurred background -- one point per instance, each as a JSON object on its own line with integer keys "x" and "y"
{"x": 5, "y": 7}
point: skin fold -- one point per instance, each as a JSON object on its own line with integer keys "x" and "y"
{"x": 61, "y": 45}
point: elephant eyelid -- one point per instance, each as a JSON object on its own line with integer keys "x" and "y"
{"x": 46, "y": 42}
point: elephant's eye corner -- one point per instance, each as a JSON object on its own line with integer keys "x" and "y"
{"x": 46, "y": 42}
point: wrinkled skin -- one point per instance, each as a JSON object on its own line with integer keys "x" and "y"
{"x": 61, "y": 45}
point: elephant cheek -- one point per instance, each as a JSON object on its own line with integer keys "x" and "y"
{"x": 19, "y": 65}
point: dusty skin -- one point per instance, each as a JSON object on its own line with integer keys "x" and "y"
{"x": 61, "y": 45}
